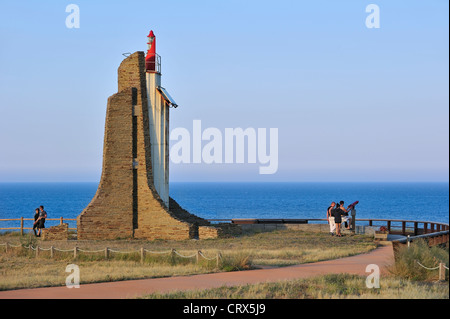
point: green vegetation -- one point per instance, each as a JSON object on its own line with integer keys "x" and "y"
{"x": 407, "y": 259}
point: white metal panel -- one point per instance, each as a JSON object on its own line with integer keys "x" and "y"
{"x": 158, "y": 125}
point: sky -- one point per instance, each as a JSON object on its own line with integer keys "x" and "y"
{"x": 351, "y": 103}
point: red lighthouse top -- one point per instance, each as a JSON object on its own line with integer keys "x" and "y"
{"x": 150, "y": 59}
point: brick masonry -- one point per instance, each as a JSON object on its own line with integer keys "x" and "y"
{"x": 60, "y": 232}
{"x": 126, "y": 204}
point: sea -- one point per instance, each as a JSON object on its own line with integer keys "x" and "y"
{"x": 408, "y": 201}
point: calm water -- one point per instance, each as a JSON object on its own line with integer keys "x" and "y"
{"x": 415, "y": 201}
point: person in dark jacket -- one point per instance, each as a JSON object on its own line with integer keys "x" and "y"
{"x": 36, "y": 216}
{"x": 337, "y": 213}
{"x": 41, "y": 220}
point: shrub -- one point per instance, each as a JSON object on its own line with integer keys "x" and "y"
{"x": 236, "y": 262}
{"x": 407, "y": 258}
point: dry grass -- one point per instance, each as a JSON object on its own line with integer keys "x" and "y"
{"x": 340, "y": 286}
{"x": 20, "y": 268}
{"x": 23, "y": 272}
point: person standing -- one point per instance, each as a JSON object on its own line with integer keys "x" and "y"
{"x": 36, "y": 216}
{"x": 345, "y": 218}
{"x": 337, "y": 213}
{"x": 330, "y": 218}
{"x": 41, "y": 220}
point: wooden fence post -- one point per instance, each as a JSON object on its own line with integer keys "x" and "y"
{"x": 197, "y": 257}
{"x": 218, "y": 259}
{"x": 107, "y": 253}
{"x": 75, "y": 252}
{"x": 353, "y": 213}
{"x": 6, "y": 247}
{"x": 51, "y": 251}
{"x": 37, "y": 251}
{"x": 21, "y": 226}
{"x": 142, "y": 255}
{"x": 441, "y": 272}
{"x": 61, "y": 221}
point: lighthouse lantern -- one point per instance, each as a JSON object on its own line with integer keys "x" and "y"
{"x": 152, "y": 59}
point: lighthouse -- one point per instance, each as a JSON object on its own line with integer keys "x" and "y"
{"x": 132, "y": 199}
{"x": 159, "y": 102}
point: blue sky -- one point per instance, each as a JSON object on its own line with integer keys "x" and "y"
{"x": 350, "y": 103}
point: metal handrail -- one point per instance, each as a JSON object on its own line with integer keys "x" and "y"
{"x": 430, "y": 235}
{"x": 157, "y": 64}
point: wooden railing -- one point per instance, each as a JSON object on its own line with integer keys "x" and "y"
{"x": 435, "y": 231}
{"x": 413, "y": 228}
{"x": 394, "y": 226}
{"x": 22, "y": 228}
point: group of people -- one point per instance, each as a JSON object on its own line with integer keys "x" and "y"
{"x": 336, "y": 215}
{"x": 39, "y": 220}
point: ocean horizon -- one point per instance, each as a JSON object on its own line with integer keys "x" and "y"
{"x": 424, "y": 201}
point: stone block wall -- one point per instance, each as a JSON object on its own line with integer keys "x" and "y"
{"x": 208, "y": 232}
{"x": 60, "y": 232}
{"x": 110, "y": 215}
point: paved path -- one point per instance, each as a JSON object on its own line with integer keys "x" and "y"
{"x": 381, "y": 256}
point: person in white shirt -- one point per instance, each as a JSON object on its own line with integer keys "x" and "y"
{"x": 330, "y": 219}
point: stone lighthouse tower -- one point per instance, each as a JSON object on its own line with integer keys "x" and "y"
{"x": 132, "y": 199}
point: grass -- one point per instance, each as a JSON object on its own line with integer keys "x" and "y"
{"x": 334, "y": 286}
{"x": 406, "y": 261}
{"x": 19, "y": 268}
{"x": 407, "y": 280}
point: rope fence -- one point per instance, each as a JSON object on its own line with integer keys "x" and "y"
{"x": 142, "y": 251}
{"x": 441, "y": 268}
